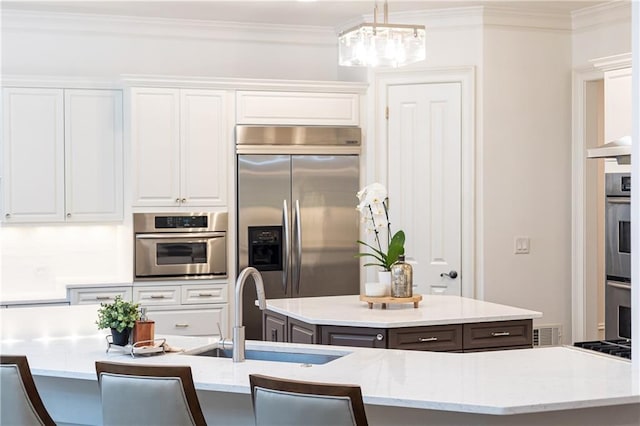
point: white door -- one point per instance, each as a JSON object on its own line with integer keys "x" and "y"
{"x": 33, "y": 151}
{"x": 155, "y": 135}
{"x": 203, "y": 153}
{"x": 93, "y": 151}
{"x": 424, "y": 181}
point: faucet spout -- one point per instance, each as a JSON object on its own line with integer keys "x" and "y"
{"x": 238, "y": 327}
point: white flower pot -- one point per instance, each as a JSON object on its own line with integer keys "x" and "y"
{"x": 384, "y": 277}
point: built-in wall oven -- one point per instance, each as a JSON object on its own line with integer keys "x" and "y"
{"x": 618, "y": 256}
{"x": 180, "y": 245}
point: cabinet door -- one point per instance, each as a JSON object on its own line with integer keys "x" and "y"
{"x": 301, "y": 332}
{"x": 93, "y": 155}
{"x": 617, "y": 104}
{"x": 203, "y": 148}
{"x": 155, "y": 138}
{"x": 274, "y": 327}
{"x": 297, "y": 108}
{"x": 33, "y": 155}
{"x": 354, "y": 336}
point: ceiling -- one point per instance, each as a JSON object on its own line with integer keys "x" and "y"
{"x": 325, "y": 13}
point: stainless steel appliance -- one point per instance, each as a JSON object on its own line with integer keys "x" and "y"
{"x": 180, "y": 245}
{"x": 297, "y": 221}
{"x": 618, "y": 256}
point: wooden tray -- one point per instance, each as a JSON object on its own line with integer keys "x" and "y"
{"x": 391, "y": 300}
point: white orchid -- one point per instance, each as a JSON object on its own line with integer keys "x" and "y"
{"x": 375, "y": 215}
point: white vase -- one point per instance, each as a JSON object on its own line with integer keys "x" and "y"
{"x": 384, "y": 277}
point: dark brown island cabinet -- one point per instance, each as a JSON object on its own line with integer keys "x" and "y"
{"x": 470, "y": 337}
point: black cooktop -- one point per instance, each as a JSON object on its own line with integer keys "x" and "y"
{"x": 616, "y": 347}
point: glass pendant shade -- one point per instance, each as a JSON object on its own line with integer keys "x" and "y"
{"x": 381, "y": 45}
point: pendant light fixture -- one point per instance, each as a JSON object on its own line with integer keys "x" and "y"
{"x": 381, "y": 45}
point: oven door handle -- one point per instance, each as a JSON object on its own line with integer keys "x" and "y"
{"x": 169, "y": 235}
{"x": 618, "y": 285}
{"x": 619, "y": 200}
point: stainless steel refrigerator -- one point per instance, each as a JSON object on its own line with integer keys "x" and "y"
{"x": 297, "y": 221}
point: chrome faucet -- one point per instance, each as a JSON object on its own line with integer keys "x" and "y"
{"x": 238, "y": 328}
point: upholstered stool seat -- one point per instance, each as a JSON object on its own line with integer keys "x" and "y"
{"x": 148, "y": 395}
{"x": 287, "y": 402}
{"x": 20, "y": 402}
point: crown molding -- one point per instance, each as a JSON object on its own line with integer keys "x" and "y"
{"x": 135, "y": 80}
{"x": 614, "y": 62}
{"x": 163, "y": 27}
{"x": 601, "y": 15}
{"x": 68, "y": 82}
{"x": 507, "y": 17}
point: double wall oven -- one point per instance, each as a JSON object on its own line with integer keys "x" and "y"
{"x": 618, "y": 256}
{"x": 180, "y": 245}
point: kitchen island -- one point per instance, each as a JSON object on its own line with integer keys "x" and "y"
{"x": 438, "y": 323}
{"x": 557, "y": 385}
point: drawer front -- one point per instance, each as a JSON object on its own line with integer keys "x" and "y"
{"x": 190, "y": 322}
{"x": 157, "y": 296}
{"x": 354, "y": 336}
{"x": 210, "y": 293}
{"x": 98, "y": 295}
{"x": 432, "y": 338}
{"x": 497, "y": 334}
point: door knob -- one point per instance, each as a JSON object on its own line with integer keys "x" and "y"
{"x": 450, "y": 274}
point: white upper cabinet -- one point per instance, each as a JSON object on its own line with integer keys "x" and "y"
{"x": 179, "y": 142}
{"x": 297, "y": 108}
{"x": 93, "y": 153}
{"x": 617, "y": 104}
{"x": 62, "y": 155}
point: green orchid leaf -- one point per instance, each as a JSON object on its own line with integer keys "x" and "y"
{"x": 396, "y": 248}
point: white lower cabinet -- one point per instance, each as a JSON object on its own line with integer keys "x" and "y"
{"x": 194, "y": 309}
{"x": 197, "y": 320}
{"x": 94, "y": 295}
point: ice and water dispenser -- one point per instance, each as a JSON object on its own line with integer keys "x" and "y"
{"x": 265, "y": 248}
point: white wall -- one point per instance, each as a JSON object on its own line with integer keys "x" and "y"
{"x": 64, "y": 45}
{"x": 525, "y": 170}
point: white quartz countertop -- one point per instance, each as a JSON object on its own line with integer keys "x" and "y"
{"x": 500, "y": 382}
{"x": 432, "y": 310}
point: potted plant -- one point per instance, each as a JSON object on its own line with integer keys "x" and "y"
{"x": 374, "y": 207}
{"x": 120, "y": 316}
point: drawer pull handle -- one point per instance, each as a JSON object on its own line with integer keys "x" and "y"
{"x": 182, "y": 325}
{"x": 103, "y": 298}
{"x": 500, "y": 333}
{"x": 157, "y": 296}
{"x": 427, "y": 339}
{"x": 205, "y": 295}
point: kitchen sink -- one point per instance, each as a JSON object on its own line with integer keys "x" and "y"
{"x": 266, "y": 355}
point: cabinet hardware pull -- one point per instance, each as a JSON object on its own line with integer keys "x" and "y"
{"x": 68, "y": 214}
{"x": 103, "y": 297}
{"x": 205, "y": 294}
{"x": 157, "y": 296}
{"x": 182, "y": 325}
{"x": 7, "y": 215}
{"x": 274, "y": 335}
{"x": 177, "y": 200}
{"x": 427, "y": 339}
{"x": 379, "y": 337}
{"x": 184, "y": 200}
{"x": 500, "y": 333}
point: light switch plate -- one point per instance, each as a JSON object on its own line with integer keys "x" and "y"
{"x": 521, "y": 245}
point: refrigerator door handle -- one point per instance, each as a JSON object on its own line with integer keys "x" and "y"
{"x": 287, "y": 248}
{"x": 298, "y": 231}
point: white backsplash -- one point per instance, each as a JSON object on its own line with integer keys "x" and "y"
{"x": 38, "y": 262}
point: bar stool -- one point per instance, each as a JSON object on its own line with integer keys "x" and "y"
{"x": 134, "y": 394}
{"x": 278, "y": 401}
{"x": 19, "y": 398}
